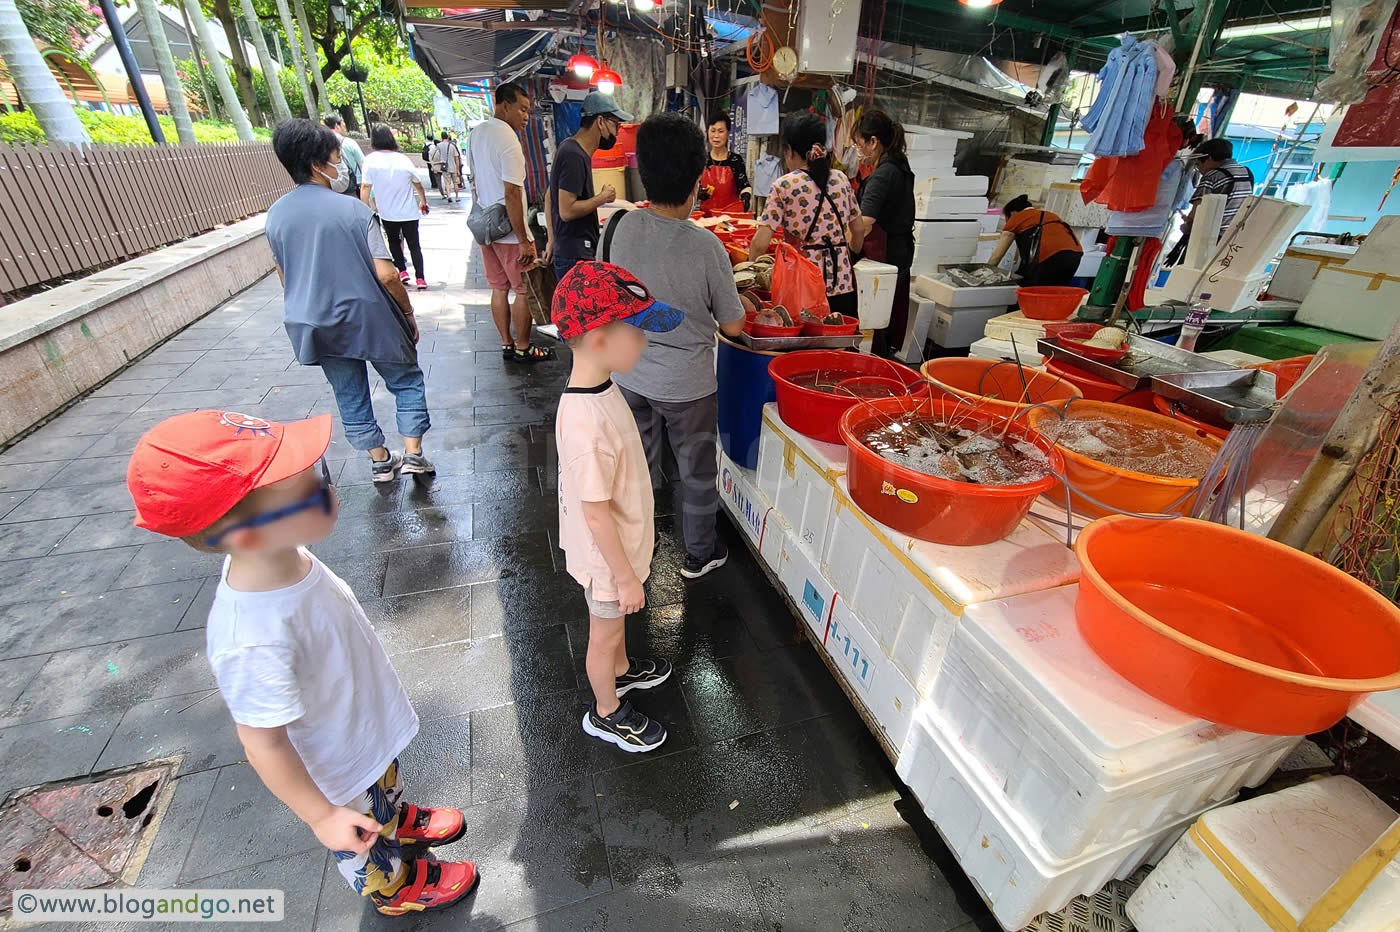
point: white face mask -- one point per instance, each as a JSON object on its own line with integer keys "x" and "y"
{"x": 341, "y": 179}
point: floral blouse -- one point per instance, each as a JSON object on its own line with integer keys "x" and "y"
{"x": 792, "y": 204}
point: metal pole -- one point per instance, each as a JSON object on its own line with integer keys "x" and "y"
{"x": 133, "y": 71}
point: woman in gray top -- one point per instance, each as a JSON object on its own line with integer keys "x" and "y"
{"x": 344, "y": 305}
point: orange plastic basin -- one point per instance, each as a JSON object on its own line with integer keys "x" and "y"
{"x": 995, "y": 384}
{"x": 1232, "y": 627}
{"x": 1123, "y": 489}
{"x": 1097, "y": 389}
{"x": 1165, "y": 406}
{"x": 1049, "y": 302}
{"x": 1286, "y": 372}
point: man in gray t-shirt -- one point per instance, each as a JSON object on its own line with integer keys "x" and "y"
{"x": 673, "y": 387}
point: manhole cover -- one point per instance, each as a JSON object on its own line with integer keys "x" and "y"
{"x": 80, "y": 834}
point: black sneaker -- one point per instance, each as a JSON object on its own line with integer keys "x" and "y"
{"x": 626, "y": 727}
{"x": 643, "y": 673}
{"x": 387, "y": 470}
{"x": 417, "y": 463}
{"x": 694, "y": 569}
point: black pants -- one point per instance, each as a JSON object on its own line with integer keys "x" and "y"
{"x": 398, "y": 231}
{"x": 1059, "y": 269}
{"x": 692, "y": 428}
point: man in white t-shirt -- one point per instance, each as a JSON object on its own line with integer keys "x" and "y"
{"x": 498, "y": 174}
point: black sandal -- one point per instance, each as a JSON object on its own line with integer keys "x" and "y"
{"x": 507, "y": 350}
{"x": 533, "y": 354}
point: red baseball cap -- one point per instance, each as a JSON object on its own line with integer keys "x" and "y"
{"x": 189, "y": 470}
{"x": 592, "y": 294}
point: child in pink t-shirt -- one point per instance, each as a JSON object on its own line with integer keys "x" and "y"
{"x": 605, "y": 500}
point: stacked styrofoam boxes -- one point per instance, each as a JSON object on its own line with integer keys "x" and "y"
{"x": 959, "y": 315}
{"x": 797, "y": 475}
{"x": 1078, "y": 775}
{"x": 950, "y": 241}
{"x": 740, "y": 494}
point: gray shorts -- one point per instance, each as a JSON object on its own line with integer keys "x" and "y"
{"x": 601, "y": 609}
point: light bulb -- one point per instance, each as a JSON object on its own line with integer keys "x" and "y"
{"x": 606, "y": 87}
{"x": 645, "y": 6}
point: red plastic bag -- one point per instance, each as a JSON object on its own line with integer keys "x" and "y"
{"x": 798, "y": 284}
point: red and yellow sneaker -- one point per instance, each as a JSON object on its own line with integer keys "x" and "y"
{"x": 434, "y": 885}
{"x": 420, "y": 826}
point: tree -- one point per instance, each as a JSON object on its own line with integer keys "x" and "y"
{"x": 226, "y": 92}
{"x": 165, "y": 64}
{"x": 313, "y": 62}
{"x": 63, "y": 24}
{"x": 243, "y": 73}
{"x": 285, "y": 15}
{"x": 34, "y": 82}
{"x": 280, "y": 110}
{"x": 394, "y": 84}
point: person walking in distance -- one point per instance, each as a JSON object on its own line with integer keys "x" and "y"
{"x": 450, "y": 158}
{"x": 391, "y": 188}
{"x": 433, "y": 177}
{"x": 351, "y": 155}
{"x": 572, "y": 206}
{"x": 498, "y": 174}
{"x": 436, "y": 153}
{"x": 344, "y": 306}
{"x": 672, "y": 391}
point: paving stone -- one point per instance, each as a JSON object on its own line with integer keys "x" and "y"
{"x": 148, "y": 371}
{"x": 45, "y": 578}
{"x": 197, "y": 615}
{"x": 52, "y": 750}
{"x": 46, "y": 626}
{"x": 424, "y": 619}
{"x": 523, "y": 601}
{"x": 436, "y": 767}
{"x": 117, "y": 388}
{"x": 512, "y": 516}
{"x": 476, "y": 487}
{"x": 77, "y": 425}
{"x": 44, "y": 447}
{"x": 195, "y": 725}
{"x": 443, "y": 566}
{"x": 14, "y": 676}
{"x": 297, "y": 876}
{"x": 103, "y": 532}
{"x": 176, "y": 831}
{"x": 485, "y": 672}
{"x": 166, "y": 560}
{"x": 112, "y": 676}
{"x": 18, "y": 477}
{"x": 110, "y": 405}
{"x": 90, "y": 471}
{"x": 79, "y": 500}
{"x": 244, "y": 825}
{"x": 749, "y": 692}
{"x": 33, "y": 538}
{"x": 541, "y": 412}
{"x": 400, "y": 529}
{"x": 212, "y": 398}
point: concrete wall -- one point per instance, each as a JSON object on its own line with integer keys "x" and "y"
{"x": 57, "y": 345}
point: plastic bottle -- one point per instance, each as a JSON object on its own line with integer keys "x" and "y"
{"x": 1195, "y": 323}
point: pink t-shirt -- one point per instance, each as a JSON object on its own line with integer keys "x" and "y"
{"x": 601, "y": 460}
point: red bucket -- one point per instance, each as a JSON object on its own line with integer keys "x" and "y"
{"x": 813, "y": 412}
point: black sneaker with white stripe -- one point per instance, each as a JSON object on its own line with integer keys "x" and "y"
{"x": 694, "y": 568}
{"x": 643, "y": 673}
{"x": 626, "y": 727}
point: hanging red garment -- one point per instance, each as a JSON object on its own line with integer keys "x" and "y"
{"x": 1129, "y": 182}
{"x": 1147, "y": 256}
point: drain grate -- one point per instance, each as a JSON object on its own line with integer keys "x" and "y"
{"x": 80, "y": 834}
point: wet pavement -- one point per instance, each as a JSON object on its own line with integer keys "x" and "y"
{"x": 769, "y": 807}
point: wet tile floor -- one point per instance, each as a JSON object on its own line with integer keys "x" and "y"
{"x": 770, "y": 806}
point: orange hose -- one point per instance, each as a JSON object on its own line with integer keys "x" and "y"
{"x": 762, "y": 65}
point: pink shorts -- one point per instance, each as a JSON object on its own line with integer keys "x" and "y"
{"x": 503, "y": 271}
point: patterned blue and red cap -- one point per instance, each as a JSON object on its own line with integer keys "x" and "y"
{"x": 592, "y": 294}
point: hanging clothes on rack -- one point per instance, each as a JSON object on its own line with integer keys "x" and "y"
{"x": 1174, "y": 189}
{"x": 1127, "y": 90}
{"x": 1130, "y": 183}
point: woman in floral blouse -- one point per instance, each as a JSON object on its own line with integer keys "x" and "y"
{"x": 816, "y": 209}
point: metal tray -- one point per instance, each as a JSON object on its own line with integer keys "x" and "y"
{"x": 1146, "y": 358}
{"x": 1220, "y": 398}
{"x": 782, "y": 344}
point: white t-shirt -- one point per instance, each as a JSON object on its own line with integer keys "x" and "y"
{"x": 392, "y": 175}
{"x": 306, "y": 657}
{"x": 497, "y": 159}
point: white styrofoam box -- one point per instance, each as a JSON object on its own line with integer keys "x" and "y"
{"x": 990, "y": 348}
{"x": 1226, "y": 293}
{"x": 1027, "y": 331}
{"x": 910, "y": 593}
{"x": 1089, "y": 265}
{"x": 875, "y": 286}
{"x": 940, "y": 207}
{"x": 738, "y": 490}
{"x": 932, "y": 162}
{"x": 1049, "y": 515}
{"x": 1296, "y": 271}
{"x": 885, "y": 692}
{"x": 1257, "y": 236}
{"x": 1084, "y": 757}
{"x": 944, "y": 231}
{"x": 801, "y": 576}
{"x": 1064, "y": 201}
{"x": 1363, "y": 304}
{"x": 956, "y": 328}
{"x": 1033, "y": 179}
{"x": 991, "y": 221}
{"x": 951, "y": 185}
{"x": 796, "y": 474}
{"x": 1295, "y": 844}
{"x": 1018, "y": 879}
{"x": 950, "y": 295}
{"x": 770, "y": 547}
{"x": 916, "y": 329}
{"x": 928, "y": 262}
{"x": 922, "y": 138}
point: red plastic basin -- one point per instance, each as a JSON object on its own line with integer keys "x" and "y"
{"x": 818, "y": 329}
{"x": 1049, "y": 302}
{"x": 1098, "y": 389}
{"x": 927, "y": 507}
{"x": 1232, "y": 627}
{"x": 815, "y": 413}
{"x": 995, "y": 384}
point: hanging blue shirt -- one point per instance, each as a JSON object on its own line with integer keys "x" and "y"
{"x": 1117, "y": 119}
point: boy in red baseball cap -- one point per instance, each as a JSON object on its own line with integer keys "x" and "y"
{"x": 605, "y": 501}
{"x": 320, "y": 712}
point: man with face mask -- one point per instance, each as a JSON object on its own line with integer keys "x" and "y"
{"x": 343, "y": 304}
{"x": 572, "y": 205}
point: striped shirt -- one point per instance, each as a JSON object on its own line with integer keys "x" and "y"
{"x": 1231, "y": 179}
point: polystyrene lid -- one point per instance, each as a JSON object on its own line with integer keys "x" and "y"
{"x": 1036, "y": 638}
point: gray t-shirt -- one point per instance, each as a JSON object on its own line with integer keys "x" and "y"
{"x": 685, "y": 266}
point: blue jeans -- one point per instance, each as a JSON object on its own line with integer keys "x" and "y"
{"x": 563, "y": 265}
{"x": 349, "y": 380}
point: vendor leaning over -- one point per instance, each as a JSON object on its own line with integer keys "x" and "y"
{"x": 1050, "y": 252}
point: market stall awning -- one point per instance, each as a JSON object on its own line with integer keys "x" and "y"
{"x": 480, "y": 43}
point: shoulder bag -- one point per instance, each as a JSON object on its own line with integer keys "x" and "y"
{"x": 487, "y": 224}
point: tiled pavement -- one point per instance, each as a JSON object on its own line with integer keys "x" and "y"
{"x": 770, "y": 807}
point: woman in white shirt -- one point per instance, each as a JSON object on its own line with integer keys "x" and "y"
{"x": 389, "y": 185}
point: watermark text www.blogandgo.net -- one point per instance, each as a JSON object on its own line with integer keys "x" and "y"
{"x": 153, "y": 905}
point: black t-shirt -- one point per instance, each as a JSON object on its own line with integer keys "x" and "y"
{"x": 573, "y": 172}
{"x": 888, "y": 196}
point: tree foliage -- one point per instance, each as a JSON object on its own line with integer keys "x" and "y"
{"x": 395, "y": 84}
{"x": 117, "y": 128}
{"x": 64, "y": 24}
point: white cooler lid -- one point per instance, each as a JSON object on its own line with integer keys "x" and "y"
{"x": 1035, "y": 636}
